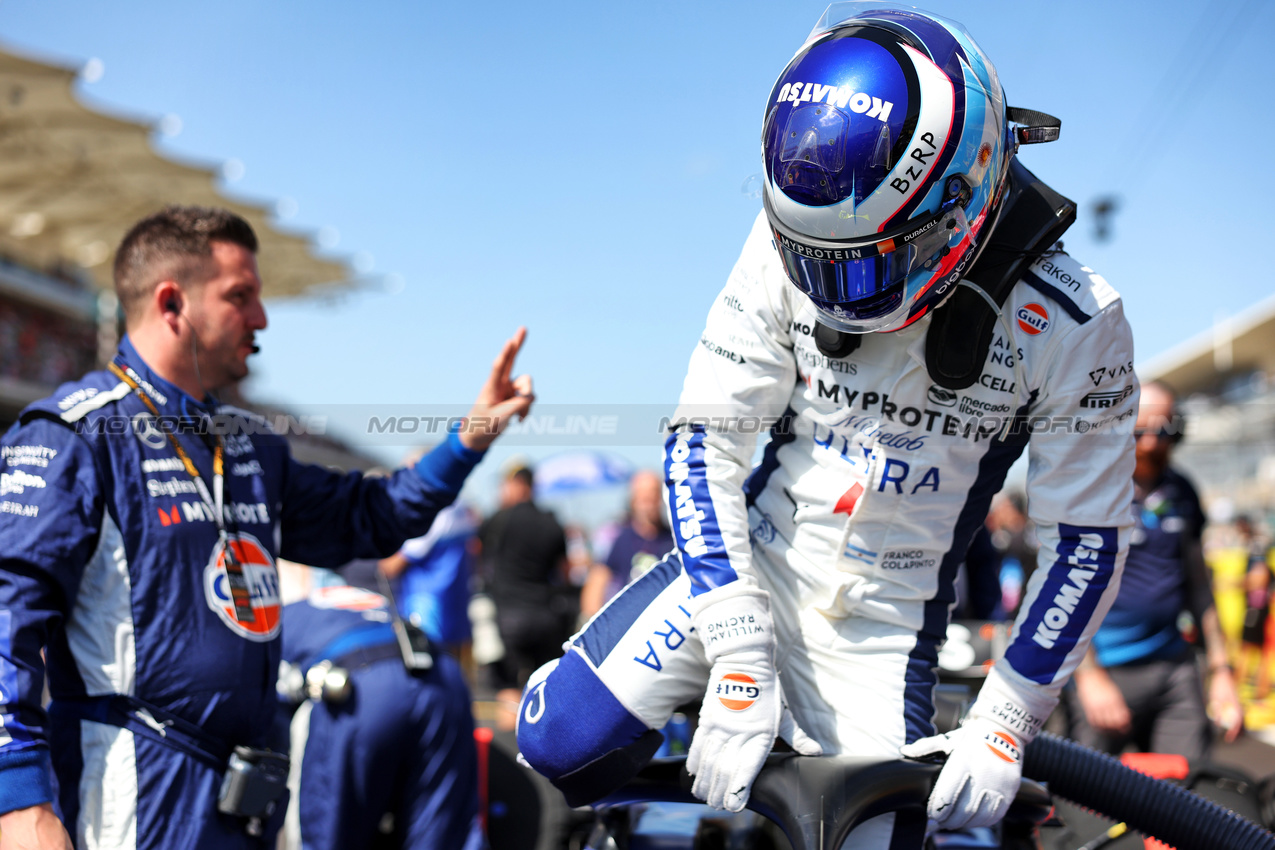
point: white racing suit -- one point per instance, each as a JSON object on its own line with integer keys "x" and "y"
{"x": 858, "y": 515}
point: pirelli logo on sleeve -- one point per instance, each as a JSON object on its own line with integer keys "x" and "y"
{"x": 1104, "y": 400}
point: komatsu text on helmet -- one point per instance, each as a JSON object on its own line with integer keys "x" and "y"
{"x": 886, "y": 145}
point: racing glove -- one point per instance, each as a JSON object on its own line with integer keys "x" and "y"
{"x": 744, "y": 708}
{"x": 985, "y": 755}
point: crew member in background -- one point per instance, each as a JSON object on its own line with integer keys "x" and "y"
{"x": 388, "y": 761}
{"x": 1256, "y": 639}
{"x": 433, "y": 574}
{"x": 141, "y": 521}
{"x": 642, "y": 541}
{"x": 525, "y": 552}
{"x": 1139, "y": 684}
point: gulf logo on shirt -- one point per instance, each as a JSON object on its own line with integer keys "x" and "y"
{"x": 738, "y": 691}
{"x": 1004, "y": 747}
{"x": 263, "y": 588}
{"x": 1033, "y": 318}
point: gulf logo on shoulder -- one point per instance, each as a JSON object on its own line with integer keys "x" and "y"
{"x": 263, "y": 588}
{"x": 738, "y": 691}
{"x": 1004, "y": 747}
{"x": 1033, "y": 318}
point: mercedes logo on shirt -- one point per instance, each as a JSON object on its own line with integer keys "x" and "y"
{"x": 147, "y": 431}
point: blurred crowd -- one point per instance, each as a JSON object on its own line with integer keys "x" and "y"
{"x": 42, "y": 347}
{"x": 503, "y": 592}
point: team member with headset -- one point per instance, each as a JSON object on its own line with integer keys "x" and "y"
{"x": 141, "y": 521}
{"x": 904, "y": 324}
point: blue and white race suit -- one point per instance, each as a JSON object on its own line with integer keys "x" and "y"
{"x": 860, "y": 511}
{"x": 112, "y": 566}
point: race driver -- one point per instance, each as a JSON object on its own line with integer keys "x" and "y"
{"x": 828, "y": 568}
{"x": 141, "y": 521}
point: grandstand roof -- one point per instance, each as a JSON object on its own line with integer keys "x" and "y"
{"x": 1238, "y": 344}
{"x": 73, "y": 179}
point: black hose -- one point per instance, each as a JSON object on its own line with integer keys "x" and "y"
{"x": 1171, "y": 813}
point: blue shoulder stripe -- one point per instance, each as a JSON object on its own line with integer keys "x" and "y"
{"x": 1058, "y": 296}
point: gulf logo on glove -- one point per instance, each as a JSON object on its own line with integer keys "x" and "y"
{"x": 262, "y": 578}
{"x": 1004, "y": 747}
{"x": 738, "y": 691}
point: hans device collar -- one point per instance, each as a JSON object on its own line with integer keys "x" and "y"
{"x": 1032, "y": 218}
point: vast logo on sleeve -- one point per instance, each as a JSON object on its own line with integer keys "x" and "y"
{"x": 263, "y": 588}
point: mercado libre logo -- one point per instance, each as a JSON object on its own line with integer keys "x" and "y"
{"x": 263, "y": 588}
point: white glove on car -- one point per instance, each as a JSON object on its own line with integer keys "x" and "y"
{"x": 744, "y": 707}
{"x": 985, "y": 755}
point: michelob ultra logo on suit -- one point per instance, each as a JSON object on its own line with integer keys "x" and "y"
{"x": 262, "y": 578}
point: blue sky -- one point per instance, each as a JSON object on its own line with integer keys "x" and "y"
{"x": 579, "y": 168}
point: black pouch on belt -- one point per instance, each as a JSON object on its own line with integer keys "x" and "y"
{"x": 254, "y": 781}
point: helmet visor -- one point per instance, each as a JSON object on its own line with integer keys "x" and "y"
{"x": 864, "y": 286}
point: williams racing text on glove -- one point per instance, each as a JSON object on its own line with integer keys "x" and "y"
{"x": 743, "y": 708}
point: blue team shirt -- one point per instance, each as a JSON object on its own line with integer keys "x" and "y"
{"x": 632, "y": 555}
{"x": 435, "y": 584}
{"x": 335, "y": 619}
{"x": 1143, "y": 622}
{"x": 111, "y": 560}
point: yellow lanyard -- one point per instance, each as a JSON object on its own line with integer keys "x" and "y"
{"x": 239, "y": 591}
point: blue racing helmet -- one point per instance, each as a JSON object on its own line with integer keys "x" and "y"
{"x": 886, "y": 148}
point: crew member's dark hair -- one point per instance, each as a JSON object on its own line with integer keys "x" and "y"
{"x": 173, "y": 244}
{"x": 524, "y": 475}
